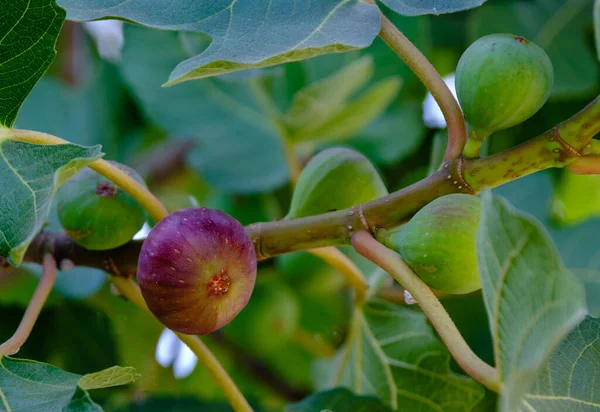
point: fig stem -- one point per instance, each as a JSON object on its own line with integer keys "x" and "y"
{"x": 238, "y": 402}
{"x": 42, "y": 291}
{"x": 390, "y": 261}
{"x": 412, "y": 56}
{"x": 473, "y": 148}
{"x": 145, "y": 198}
{"x": 586, "y": 165}
{"x": 342, "y": 263}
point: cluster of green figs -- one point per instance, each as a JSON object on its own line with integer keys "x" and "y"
{"x": 197, "y": 267}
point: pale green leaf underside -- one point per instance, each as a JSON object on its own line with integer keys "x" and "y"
{"x": 245, "y": 33}
{"x": 527, "y": 322}
{"x": 115, "y": 376}
{"x": 419, "y": 7}
{"x": 28, "y": 33}
{"x": 395, "y": 356}
{"x": 30, "y": 175}
{"x": 569, "y": 381}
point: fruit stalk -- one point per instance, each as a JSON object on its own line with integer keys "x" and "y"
{"x": 388, "y": 260}
{"x": 457, "y": 128}
{"x": 129, "y": 290}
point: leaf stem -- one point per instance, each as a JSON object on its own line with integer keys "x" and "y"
{"x": 237, "y": 400}
{"x": 43, "y": 289}
{"x": 342, "y": 263}
{"x": 120, "y": 178}
{"x": 388, "y": 260}
{"x": 399, "y": 43}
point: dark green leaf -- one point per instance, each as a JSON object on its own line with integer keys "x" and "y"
{"x": 569, "y": 379}
{"x": 393, "y": 354}
{"x": 338, "y": 400}
{"x": 532, "y": 300}
{"x": 28, "y": 33}
{"x": 245, "y": 34}
{"x": 33, "y": 386}
{"x": 418, "y": 7}
{"x": 597, "y": 26}
{"x": 30, "y": 175}
{"x": 238, "y": 149}
{"x": 556, "y": 26}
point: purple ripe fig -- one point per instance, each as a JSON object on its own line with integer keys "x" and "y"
{"x": 197, "y": 270}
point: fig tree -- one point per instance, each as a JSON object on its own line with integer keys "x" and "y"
{"x": 438, "y": 243}
{"x": 502, "y": 80}
{"x": 197, "y": 270}
{"x": 96, "y": 213}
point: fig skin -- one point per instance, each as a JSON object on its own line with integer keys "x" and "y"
{"x": 439, "y": 243}
{"x": 197, "y": 270}
{"x": 96, "y": 213}
{"x": 501, "y": 81}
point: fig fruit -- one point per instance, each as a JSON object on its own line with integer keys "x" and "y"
{"x": 576, "y": 199}
{"x": 197, "y": 270}
{"x": 335, "y": 179}
{"x": 501, "y": 81}
{"x": 438, "y": 243}
{"x": 96, "y": 213}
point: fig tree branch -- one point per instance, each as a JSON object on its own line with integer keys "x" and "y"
{"x": 457, "y": 128}
{"x": 390, "y": 261}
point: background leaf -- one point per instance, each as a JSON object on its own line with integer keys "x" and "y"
{"x": 338, "y": 400}
{"x": 418, "y": 7}
{"x": 28, "y": 33}
{"x": 393, "y": 354}
{"x": 247, "y": 33}
{"x": 114, "y": 376}
{"x": 597, "y": 25}
{"x": 568, "y": 381}
{"x": 30, "y": 175}
{"x": 527, "y": 322}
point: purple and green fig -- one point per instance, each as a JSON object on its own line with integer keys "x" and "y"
{"x": 96, "y": 213}
{"x": 439, "y": 243}
{"x": 501, "y": 81}
{"x": 197, "y": 270}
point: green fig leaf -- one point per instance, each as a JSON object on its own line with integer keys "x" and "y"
{"x": 30, "y": 175}
{"x": 357, "y": 115}
{"x": 527, "y": 323}
{"x": 318, "y": 101}
{"x": 28, "y": 33}
{"x": 419, "y": 7}
{"x": 339, "y": 399}
{"x": 568, "y": 381}
{"x": 31, "y": 385}
{"x": 245, "y": 34}
{"x": 576, "y": 198}
{"x": 392, "y": 353}
{"x": 335, "y": 179}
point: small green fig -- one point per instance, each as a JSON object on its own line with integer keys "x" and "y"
{"x": 576, "y": 198}
{"x": 196, "y": 270}
{"x": 438, "y": 243}
{"x": 96, "y": 213}
{"x": 335, "y": 179}
{"x": 501, "y": 81}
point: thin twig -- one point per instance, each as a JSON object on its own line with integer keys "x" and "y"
{"x": 388, "y": 260}
{"x": 43, "y": 289}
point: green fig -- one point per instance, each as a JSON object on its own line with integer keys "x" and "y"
{"x": 96, "y": 213}
{"x": 335, "y": 179}
{"x": 576, "y": 198}
{"x": 501, "y": 81}
{"x": 438, "y": 243}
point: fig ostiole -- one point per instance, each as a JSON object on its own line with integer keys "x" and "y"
{"x": 96, "y": 213}
{"x": 501, "y": 81}
{"x": 439, "y": 243}
{"x": 197, "y": 270}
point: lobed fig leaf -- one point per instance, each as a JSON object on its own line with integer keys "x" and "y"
{"x": 438, "y": 243}
{"x": 501, "y": 81}
{"x": 335, "y": 179}
{"x": 96, "y": 213}
{"x": 197, "y": 270}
